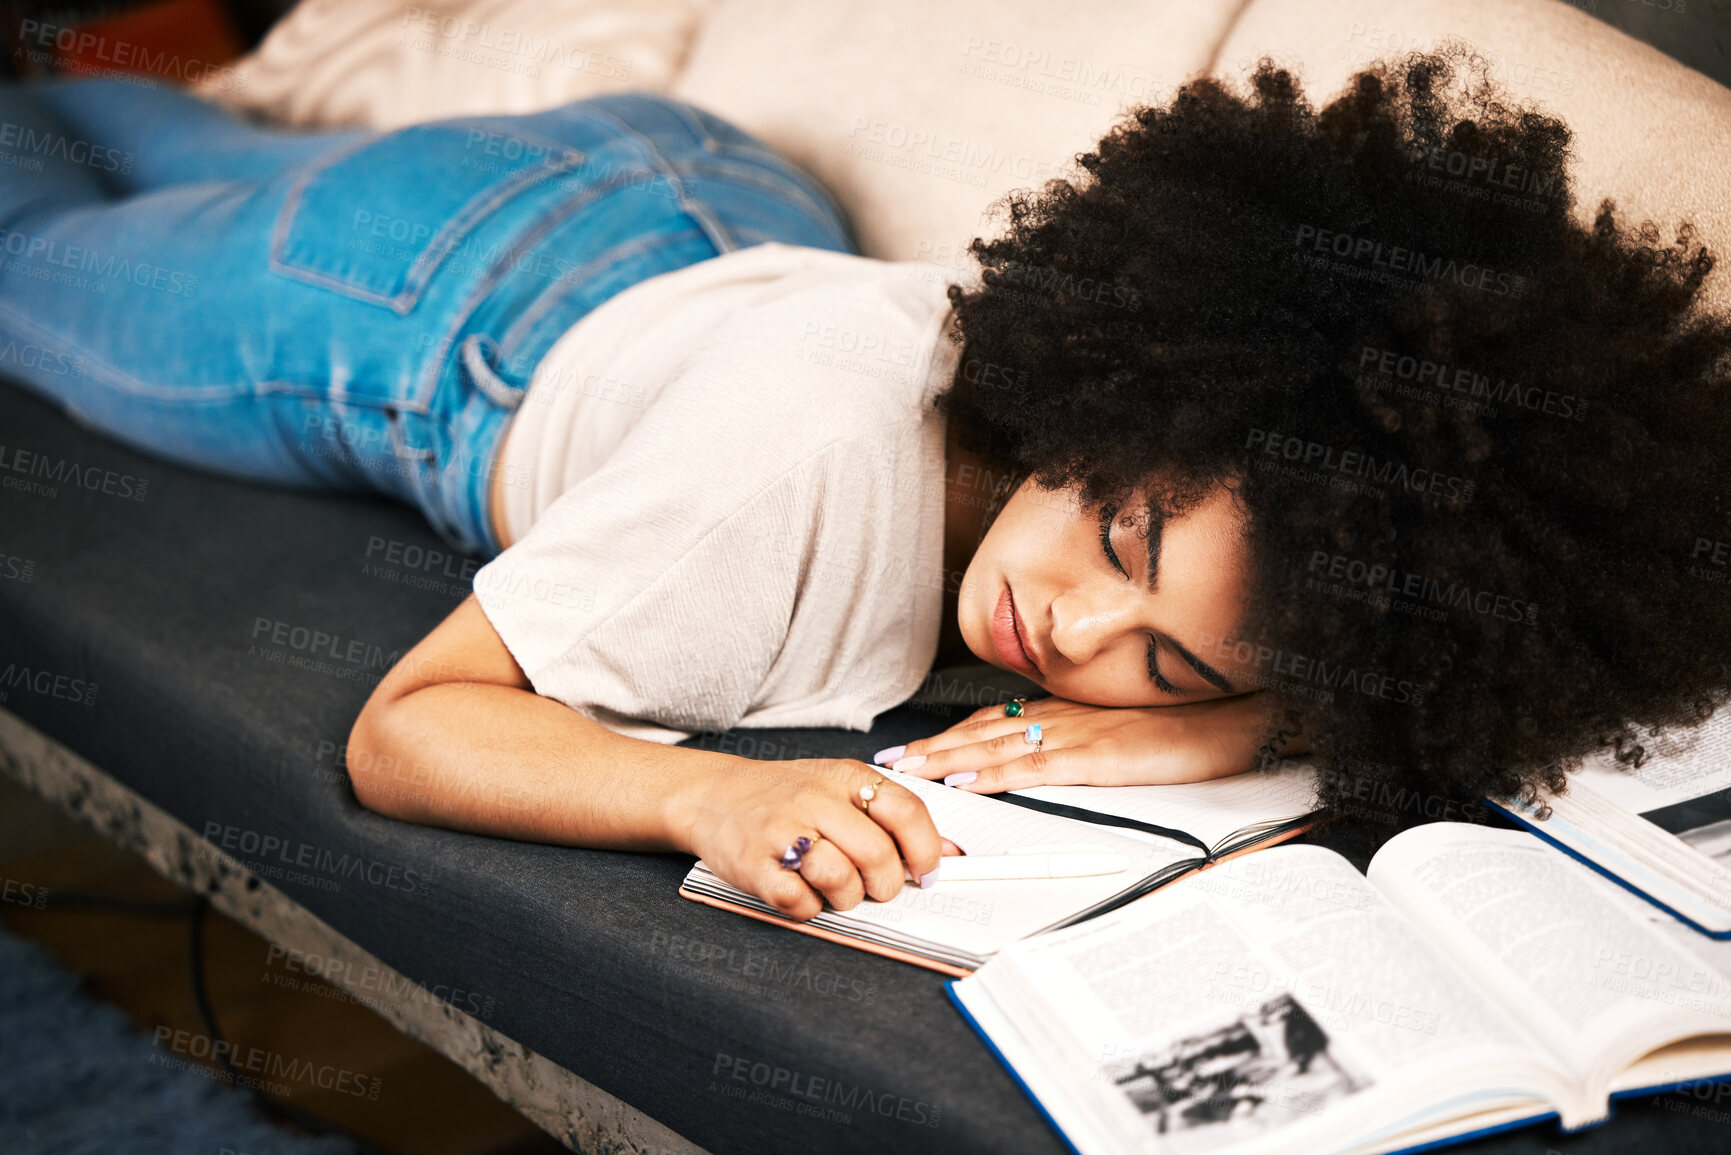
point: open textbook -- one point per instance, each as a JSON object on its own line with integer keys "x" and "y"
{"x": 1475, "y": 980}
{"x": 954, "y": 927}
{"x": 1663, "y": 830}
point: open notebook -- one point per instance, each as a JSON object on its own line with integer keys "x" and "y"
{"x": 1663, "y": 829}
{"x": 1218, "y": 817}
{"x": 1475, "y": 980}
{"x": 954, "y": 927}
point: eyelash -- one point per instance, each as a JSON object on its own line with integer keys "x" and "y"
{"x": 1106, "y": 518}
{"x": 1159, "y": 679}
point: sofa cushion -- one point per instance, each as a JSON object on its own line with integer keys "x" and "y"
{"x": 1649, "y": 132}
{"x": 139, "y": 626}
{"x": 208, "y": 643}
{"x": 387, "y": 63}
{"x": 919, "y": 115}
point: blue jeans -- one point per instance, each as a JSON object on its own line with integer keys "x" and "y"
{"x": 348, "y": 310}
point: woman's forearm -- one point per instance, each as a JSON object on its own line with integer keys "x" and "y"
{"x": 455, "y": 736}
{"x": 499, "y": 760}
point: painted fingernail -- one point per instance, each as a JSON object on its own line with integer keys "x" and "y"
{"x": 961, "y": 779}
{"x": 888, "y": 754}
{"x": 912, "y": 762}
{"x": 930, "y": 879}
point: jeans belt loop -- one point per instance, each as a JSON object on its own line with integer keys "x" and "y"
{"x": 476, "y": 352}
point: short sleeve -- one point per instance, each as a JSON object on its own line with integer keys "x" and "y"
{"x": 758, "y": 542}
{"x": 644, "y": 591}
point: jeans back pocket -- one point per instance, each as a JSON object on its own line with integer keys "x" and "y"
{"x": 376, "y": 221}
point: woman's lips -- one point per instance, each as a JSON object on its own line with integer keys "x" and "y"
{"x": 1007, "y": 636}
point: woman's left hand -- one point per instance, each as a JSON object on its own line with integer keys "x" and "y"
{"x": 1094, "y": 745}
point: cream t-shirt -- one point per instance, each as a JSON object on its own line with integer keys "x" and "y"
{"x": 725, "y": 496}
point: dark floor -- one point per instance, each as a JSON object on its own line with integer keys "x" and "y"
{"x": 427, "y": 1105}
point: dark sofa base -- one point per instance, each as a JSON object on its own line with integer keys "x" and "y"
{"x": 572, "y": 1110}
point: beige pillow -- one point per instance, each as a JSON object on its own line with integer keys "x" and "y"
{"x": 918, "y": 114}
{"x": 1648, "y": 131}
{"x": 387, "y": 63}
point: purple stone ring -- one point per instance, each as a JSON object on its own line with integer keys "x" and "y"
{"x": 794, "y": 856}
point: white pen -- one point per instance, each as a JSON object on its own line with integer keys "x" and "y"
{"x": 993, "y": 867}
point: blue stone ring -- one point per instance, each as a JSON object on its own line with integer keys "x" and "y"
{"x": 1034, "y": 736}
{"x": 794, "y": 856}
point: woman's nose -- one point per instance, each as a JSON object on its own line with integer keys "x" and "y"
{"x": 1086, "y": 621}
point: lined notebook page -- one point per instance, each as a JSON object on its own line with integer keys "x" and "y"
{"x": 979, "y": 918}
{"x": 1210, "y": 810}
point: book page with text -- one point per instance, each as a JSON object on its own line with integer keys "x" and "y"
{"x": 1267, "y": 999}
{"x": 1553, "y": 941}
{"x": 979, "y": 918}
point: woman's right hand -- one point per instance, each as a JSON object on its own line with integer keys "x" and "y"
{"x": 741, "y": 820}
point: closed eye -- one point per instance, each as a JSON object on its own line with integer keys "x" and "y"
{"x": 1107, "y": 513}
{"x": 1159, "y": 679}
{"x": 1161, "y": 683}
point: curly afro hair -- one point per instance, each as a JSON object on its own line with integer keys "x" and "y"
{"x": 1482, "y": 448}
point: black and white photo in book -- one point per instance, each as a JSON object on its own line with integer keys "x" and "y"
{"x": 1242, "y": 1075}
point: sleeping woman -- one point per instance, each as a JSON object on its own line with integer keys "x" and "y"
{"x": 1274, "y": 430}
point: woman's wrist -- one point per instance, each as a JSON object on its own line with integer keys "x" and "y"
{"x": 692, "y": 794}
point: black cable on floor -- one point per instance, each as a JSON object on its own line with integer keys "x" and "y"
{"x": 195, "y": 955}
{"x": 195, "y": 907}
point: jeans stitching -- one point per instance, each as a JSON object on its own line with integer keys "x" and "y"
{"x": 467, "y": 218}
{"x": 792, "y": 182}
{"x": 534, "y": 314}
{"x": 719, "y": 236}
{"x": 589, "y": 193}
{"x": 106, "y": 374}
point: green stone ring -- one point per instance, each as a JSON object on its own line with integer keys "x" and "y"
{"x": 1013, "y": 708}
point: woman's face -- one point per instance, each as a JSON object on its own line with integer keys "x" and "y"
{"x": 1044, "y": 597}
